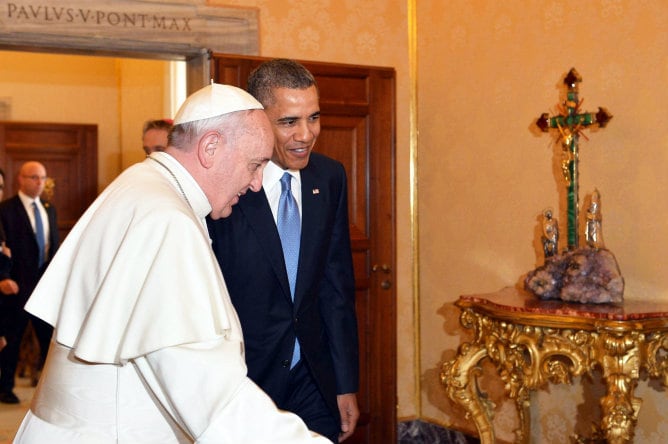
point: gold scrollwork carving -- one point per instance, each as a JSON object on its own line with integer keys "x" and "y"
{"x": 657, "y": 361}
{"x": 619, "y": 356}
{"x": 460, "y": 377}
{"x": 527, "y": 357}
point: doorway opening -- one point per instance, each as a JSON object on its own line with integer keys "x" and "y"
{"x": 114, "y": 91}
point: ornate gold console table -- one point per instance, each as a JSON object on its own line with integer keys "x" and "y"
{"x": 533, "y": 342}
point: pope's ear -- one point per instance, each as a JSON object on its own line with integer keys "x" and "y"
{"x": 207, "y": 146}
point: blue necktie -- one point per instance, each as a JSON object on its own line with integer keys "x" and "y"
{"x": 289, "y": 230}
{"x": 39, "y": 233}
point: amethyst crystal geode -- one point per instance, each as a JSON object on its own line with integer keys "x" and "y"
{"x": 586, "y": 275}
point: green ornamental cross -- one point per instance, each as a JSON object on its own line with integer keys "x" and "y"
{"x": 570, "y": 124}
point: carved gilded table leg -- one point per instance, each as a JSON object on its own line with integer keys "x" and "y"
{"x": 460, "y": 377}
{"x": 621, "y": 367}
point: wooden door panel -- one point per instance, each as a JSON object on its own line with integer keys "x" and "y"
{"x": 69, "y": 153}
{"x": 357, "y": 129}
{"x": 344, "y": 139}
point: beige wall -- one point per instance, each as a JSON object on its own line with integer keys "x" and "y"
{"x": 143, "y": 95}
{"x": 116, "y": 94}
{"x": 486, "y": 70}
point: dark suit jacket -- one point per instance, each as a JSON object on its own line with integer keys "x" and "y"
{"x": 20, "y": 238}
{"x": 249, "y": 252}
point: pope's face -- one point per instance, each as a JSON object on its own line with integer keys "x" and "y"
{"x": 239, "y": 164}
{"x": 295, "y": 118}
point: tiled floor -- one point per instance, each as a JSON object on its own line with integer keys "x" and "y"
{"x": 12, "y": 414}
{"x": 421, "y": 432}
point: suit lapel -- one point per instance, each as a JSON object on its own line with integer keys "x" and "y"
{"x": 255, "y": 209}
{"x": 312, "y": 213}
{"x": 25, "y": 218}
{"x": 22, "y": 218}
{"x": 54, "y": 238}
{"x": 20, "y": 209}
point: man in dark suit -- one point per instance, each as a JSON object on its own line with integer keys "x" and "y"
{"x": 7, "y": 286}
{"x": 300, "y": 336}
{"x": 25, "y": 220}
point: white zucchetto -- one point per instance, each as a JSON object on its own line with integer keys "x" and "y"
{"x": 215, "y": 100}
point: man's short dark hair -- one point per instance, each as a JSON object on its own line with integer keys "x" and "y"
{"x": 160, "y": 124}
{"x": 278, "y": 73}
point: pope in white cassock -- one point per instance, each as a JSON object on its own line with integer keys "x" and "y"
{"x": 147, "y": 347}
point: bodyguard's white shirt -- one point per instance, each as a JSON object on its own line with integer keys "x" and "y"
{"x": 27, "y": 204}
{"x": 147, "y": 345}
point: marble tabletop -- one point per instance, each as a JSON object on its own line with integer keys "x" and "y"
{"x": 521, "y": 301}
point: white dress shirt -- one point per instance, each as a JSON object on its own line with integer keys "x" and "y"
{"x": 27, "y": 204}
{"x": 271, "y": 183}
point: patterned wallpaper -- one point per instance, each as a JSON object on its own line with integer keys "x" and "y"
{"x": 486, "y": 71}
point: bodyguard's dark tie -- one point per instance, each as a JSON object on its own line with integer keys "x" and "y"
{"x": 39, "y": 234}
{"x": 289, "y": 230}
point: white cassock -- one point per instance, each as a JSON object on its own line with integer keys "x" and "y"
{"x": 147, "y": 346}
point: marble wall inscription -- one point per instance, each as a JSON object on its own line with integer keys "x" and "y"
{"x": 125, "y": 25}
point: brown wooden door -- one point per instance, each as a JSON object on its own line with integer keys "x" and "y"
{"x": 69, "y": 153}
{"x": 357, "y": 128}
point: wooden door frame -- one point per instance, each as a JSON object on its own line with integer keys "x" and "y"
{"x": 197, "y": 63}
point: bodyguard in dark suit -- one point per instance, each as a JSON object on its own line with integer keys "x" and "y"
{"x": 21, "y": 225}
{"x": 300, "y": 338}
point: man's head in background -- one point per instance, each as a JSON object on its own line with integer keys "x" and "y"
{"x": 155, "y": 135}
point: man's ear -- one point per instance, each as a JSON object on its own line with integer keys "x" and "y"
{"x": 207, "y": 146}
